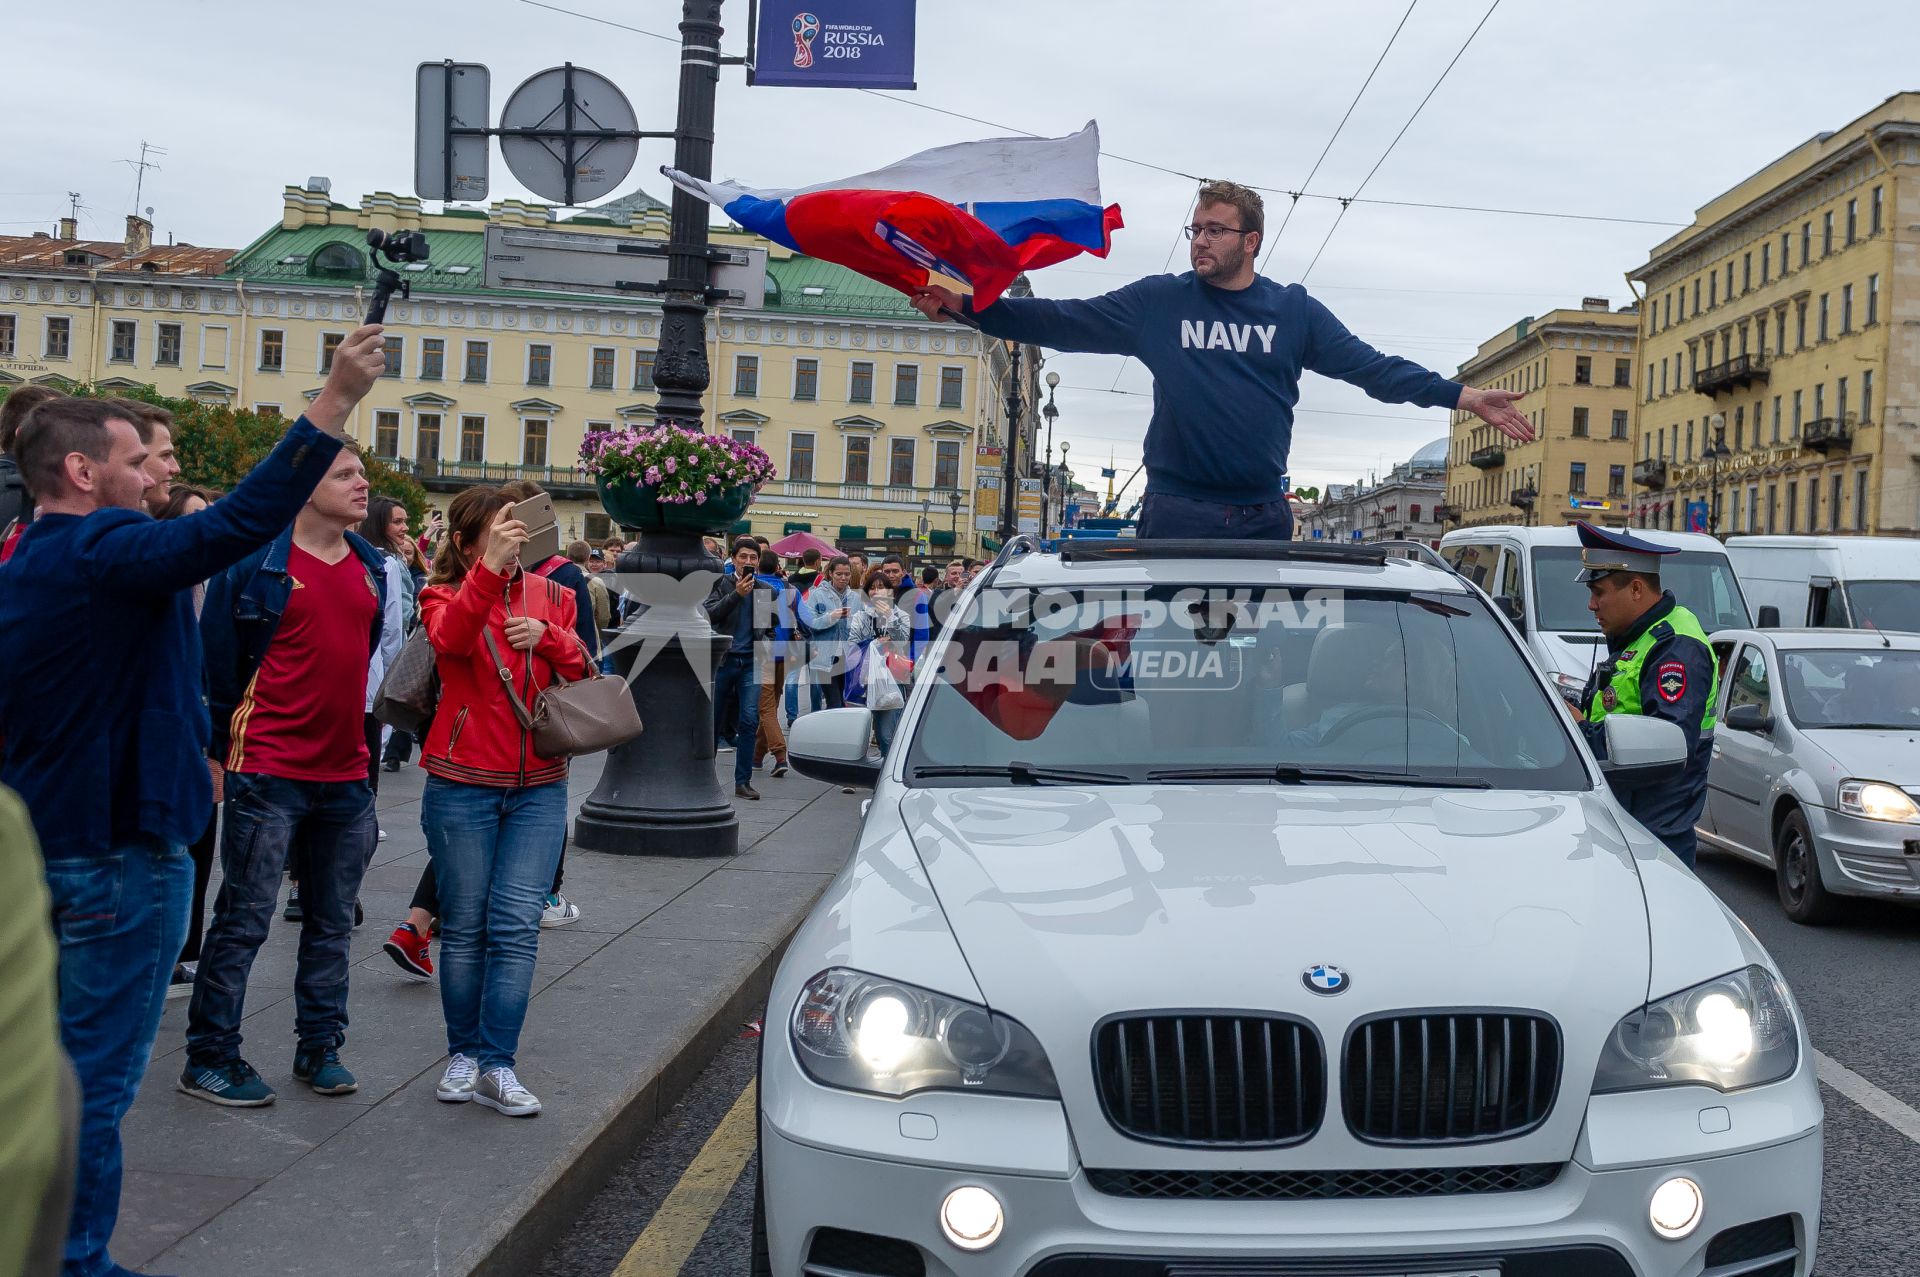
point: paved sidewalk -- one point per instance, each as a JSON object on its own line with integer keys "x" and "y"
{"x": 669, "y": 957}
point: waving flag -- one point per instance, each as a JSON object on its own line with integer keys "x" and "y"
{"x": 976, "y": 212}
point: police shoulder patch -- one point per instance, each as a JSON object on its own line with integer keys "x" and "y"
{"x": 1671, "y": 678}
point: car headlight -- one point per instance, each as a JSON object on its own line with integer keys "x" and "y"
{"x": 1728, "y": 1033}
{"x": 1877, "y": 800}
{"x": 864, "y": 1033}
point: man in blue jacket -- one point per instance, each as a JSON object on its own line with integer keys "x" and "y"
{"x": 1226, "y": 347}
{"x": 106, "y": 725}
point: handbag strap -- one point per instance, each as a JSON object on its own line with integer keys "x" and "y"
{"x": 506, "y": 680}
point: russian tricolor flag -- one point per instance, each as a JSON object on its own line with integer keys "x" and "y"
{"x": 979, "y": 213}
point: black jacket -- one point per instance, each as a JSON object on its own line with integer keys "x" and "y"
{"x": 723, "y": 604}
{"x": 14, "y": 502}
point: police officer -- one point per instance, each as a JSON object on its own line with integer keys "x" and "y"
{"x": 1658, "y": 664}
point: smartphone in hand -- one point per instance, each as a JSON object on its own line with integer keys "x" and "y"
{"x": 543, "y": 529}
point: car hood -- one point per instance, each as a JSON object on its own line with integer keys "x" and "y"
{"x": 1071, "y": 905}
{"x": 1863, "y": 755}
{"x": 1571, "y": 654}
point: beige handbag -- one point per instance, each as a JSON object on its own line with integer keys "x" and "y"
{"x": 572, "y": 718}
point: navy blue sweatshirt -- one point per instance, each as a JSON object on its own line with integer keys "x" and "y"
{"x": 1226, "y": 369}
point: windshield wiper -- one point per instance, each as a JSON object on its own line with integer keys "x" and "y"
{"x": 1025, "y": 774}
{"x": 1288, "y": 775}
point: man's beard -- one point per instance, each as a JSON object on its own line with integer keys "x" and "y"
{"x": 1225, "y": 264}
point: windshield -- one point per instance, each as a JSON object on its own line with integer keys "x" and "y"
{"x": 1884, "y": 605}
{"x": 1166, "y": 679}
{"x": 1853, "y": 688}
{"x": 1702, "y": 582}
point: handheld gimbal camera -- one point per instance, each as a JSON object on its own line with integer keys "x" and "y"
{"x": 399, "y": 248}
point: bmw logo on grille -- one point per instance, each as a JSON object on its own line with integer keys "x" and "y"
{"x": 1325, "y": 979}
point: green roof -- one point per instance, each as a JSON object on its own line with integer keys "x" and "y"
{"x": 841, "y": 292}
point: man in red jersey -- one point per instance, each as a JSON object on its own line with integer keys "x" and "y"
{"x": 288, "y": 633}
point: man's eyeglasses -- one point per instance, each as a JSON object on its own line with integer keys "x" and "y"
{"x": 1213, "y": 231}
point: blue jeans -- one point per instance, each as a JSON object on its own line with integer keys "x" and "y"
{"x": 884, "y": 723}
{"x": 799, "y": 672}
{"x": 736, "y": 695}
{"x": 333, "y": 822}
{"x": 121, "y": 919}
{"x": 1178, "y": 518}
{"x": 494, "y": 853}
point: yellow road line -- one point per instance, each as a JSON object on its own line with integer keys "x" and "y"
{"x": 676, "y": 1228}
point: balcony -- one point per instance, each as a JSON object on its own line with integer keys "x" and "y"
{"x": 1523, "y": 498}
{"x": 890, "y": 496}
{"x": 1828, "y": 434}
{"x": 1445, "y": 513}
{"x": 1650, "y": 472}
{"x": 1491, "y": 457}
{"x": 452, "y": 476}
{"x": 1741, "y": 371}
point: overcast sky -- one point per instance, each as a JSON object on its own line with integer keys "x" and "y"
{"x": 1631, "y": 110}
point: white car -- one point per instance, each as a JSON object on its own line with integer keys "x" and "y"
{"x": 1232, "y": 909}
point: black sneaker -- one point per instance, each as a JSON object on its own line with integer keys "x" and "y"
{"x": 321, "y": 1069}
{"x": 390, "y": 765}
{"x": 181, "y": 985}
{"x": 359, "y": 914}
{"x": 292, "y": 912}
{"x": 234, "y": 1084}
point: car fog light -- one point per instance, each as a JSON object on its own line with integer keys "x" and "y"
{"x": 1675, "y": 1209}
{"x": 971, "y": 1218}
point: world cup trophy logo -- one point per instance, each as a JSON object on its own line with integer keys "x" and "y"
{"x": 805, "y": 27}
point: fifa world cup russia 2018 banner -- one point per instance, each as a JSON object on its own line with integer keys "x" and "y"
{"x": 835, "y": 44}
{"x": 977, "y": 213}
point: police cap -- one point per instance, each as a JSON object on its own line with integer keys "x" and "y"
{"x": 1603, "y": 551}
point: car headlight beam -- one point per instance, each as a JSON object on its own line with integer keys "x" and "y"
{"x": 863, "y": 1033}
{"x": 1877, "y": 800}
{"x": 1733, "y": 1032}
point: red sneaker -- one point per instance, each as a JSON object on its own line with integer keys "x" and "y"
{"x": 408, "y": 949}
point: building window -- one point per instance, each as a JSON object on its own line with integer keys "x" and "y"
{"x": 1874, "y": 213}
{"x": 59, "y": 338}
{"x": 433, "y": 358}
{"x": 1800, "y": 326}
{"x": 1753, "y": 507}
{"x": 124, "y": 336}
{"x": 1786, "y": 243}
{"x": 860, "y": 383}
{"x": 1866, "y": 397}
{"x": 426, "y": 437}
{"x": 1746, "y": 272}
{"x": 539, "y": 365}
{"x": 1793, "y": 506}
{"x": 746, "y": 376}
{"x": 643, "y": 369}
{"x": 1619, "y": 427}
{"x": 1739, "y": 429}
{"x": 1820, "y": 401}
{"x": 906, "y": 385}
{"x": 806, "y": 379}
{"x": 9, "y": 334}
{"x": 1846, "y": 309}
{"x": 601, "y": 375}
{"x": 533, "y": 442}
{"x": 273, "y": 350}
{"x": 1853, "y": 221}
{"x": 270, "y": 411}
{"x": 859, "y": 459}
{"x": 473, "y": 439}
{"x": 1840, "y": 399}
{"x": 1859, "y": 500}
{"x": 386, "y": 434}
{"x": 1663, "y": 377}
{"x": 1826, "y": 233}
{"x": 1577, "y": 478}
{"x": 900, "y": 463}
{"x": 1873, "y": 300}
{"x": 1583, "y": 370}
{"x": 1580, "y": 423}
{"x": 800, "y": 457}
{"x": 476, "y": 366}
{"x": 1729, "y": 281}
{"x": 1616, "y": 481}
{"x": 744, "y": 434}
{"x": 1776, "y": 419}
{"x": 1713, "y": 289}
{"x": 1822, "y": 330}
{"x": 946, "y": 463}
{"x": 1696, "y": 295}
{"x": 329, "y": 344}
{"x": 952, "y": 383}
{"x": 1666, "y": 311}
{"x": 1836, "y": 496}
{"x": 1806, "y": 243}
{"x": 1813, "y": 504}
{"x": 1766, "y": 262}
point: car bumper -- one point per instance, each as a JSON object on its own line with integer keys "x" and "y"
{"x": 1585, "y": 1224}
{"x": 1860, "y": 857}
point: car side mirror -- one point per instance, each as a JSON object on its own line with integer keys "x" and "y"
{"x": 1510, "y": 606}
{"x": 1768, "y": 618}
{"x": 831, "y": 745}
{"x": 1748, "y": 718}
{"x": 1642, "y": 751}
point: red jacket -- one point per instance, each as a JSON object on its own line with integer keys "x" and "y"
{"x": 476, "y": 738}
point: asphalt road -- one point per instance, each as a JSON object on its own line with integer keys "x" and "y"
{"x": 1858, "y": 983}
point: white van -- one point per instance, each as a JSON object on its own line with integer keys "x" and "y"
{"x": 1844, "y": 583}
{"x": 1533, "y": 575}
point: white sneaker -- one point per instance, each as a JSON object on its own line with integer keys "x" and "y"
{"x": 723, "y": 748}
{"x": 382, "y": 833}
{"x": 457, "y": 1083}
{"x": 501, "y": 1091}
{"x": 559, "y": 911}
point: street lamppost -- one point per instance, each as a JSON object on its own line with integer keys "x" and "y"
{"x": 953, "y": 524}
{"x": 1009, "y": 475}
{"x": 1050, "y": 413}
{"x": 1717, "y": 452}
{"x": 1064, "y": 445}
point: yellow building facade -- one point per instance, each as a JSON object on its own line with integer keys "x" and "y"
{"x": 1780, "y": 379}
{"x": 887, "y": 431}
{"x": 1574, "y": 369}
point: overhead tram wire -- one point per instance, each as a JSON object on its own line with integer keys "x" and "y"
{"x": 1294, "y": 203}
{"x": 1162, "y": 168}
{"x": 1347, "y": 203}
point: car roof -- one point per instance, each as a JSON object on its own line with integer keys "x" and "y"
{"x": 1570, "y": 537}
{"x": 1314, "y": 569}
{"x": 1805, "y": 638}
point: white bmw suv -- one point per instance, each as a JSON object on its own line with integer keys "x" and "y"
{"x": 1237, "y": 909}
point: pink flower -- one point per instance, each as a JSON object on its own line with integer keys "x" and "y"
{"x": 672, "y": 465}
{"x": 653, "y": 474}
{"x": 699, "y": 498}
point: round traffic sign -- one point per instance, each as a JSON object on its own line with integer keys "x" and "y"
{"x": 554, "y": 127}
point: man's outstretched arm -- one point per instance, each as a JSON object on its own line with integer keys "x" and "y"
{"x": 1332, "y": 351}
{"x": 1105, "y": 325}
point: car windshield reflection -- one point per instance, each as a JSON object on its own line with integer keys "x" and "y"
{"x": 1853, "y": 689}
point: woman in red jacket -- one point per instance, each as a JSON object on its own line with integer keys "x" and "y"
{"x": 495, "y": 812}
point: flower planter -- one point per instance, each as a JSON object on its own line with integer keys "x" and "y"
{"x": 634, "y": 505}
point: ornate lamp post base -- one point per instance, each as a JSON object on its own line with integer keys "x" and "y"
{"x": 659, "y": 795}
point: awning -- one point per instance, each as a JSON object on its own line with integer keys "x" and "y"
{"x": 797, "y": 527}
{"x": 741, "y": 527}
{"x": 989, "y": 543}
{"x": 853, "y": 532}
{"x": 899, "y": 534}
{"x": 939, "y": 536}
